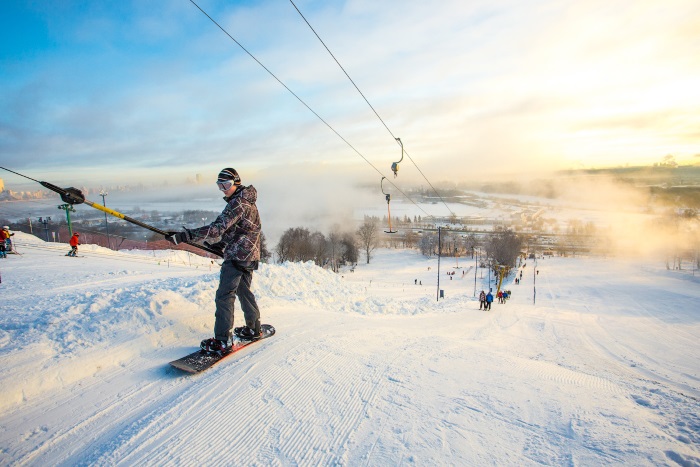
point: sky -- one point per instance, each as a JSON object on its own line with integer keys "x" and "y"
{"x": 125, "y": 90}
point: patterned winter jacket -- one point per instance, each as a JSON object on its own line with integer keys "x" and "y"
{"x": 238, "y": 226}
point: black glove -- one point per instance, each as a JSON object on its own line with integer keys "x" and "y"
{"x": 177, "y": 237}
{"x": 217, "y": 247}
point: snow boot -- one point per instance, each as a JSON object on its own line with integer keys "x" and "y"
{"x": 214, "y": 345}
{"x": 247, "y": 334}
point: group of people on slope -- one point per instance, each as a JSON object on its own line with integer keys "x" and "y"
{"x": 486, "y": 299}
{"x": 503, "y": 295}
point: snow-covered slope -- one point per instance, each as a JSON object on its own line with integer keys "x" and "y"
{"x": 366, "y": 368}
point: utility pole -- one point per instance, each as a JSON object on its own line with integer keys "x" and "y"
{"x": 534, "y": 281}
{"x": 30, "y": 225}
{"x": 103, "y": 194}
{"x": 46, "y": 226}
{"x": 439, "y": 254}
{"x": 476, "y": 266}
{"x": 489, "y": 275}
{"x": 68, "y": 208}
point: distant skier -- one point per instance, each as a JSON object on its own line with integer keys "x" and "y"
{"x": 5, "y": 236}
{"x": 239, "y": 228}
{"x": 74, "y": 242}
{"x": 489, "y": 300}
{"x": 482, "y": 300}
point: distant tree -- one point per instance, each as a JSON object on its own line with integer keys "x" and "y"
{"x": 350, "y": 253}
{"x": 319, "y": 246}
{"x": 503, "y": 249}
{"x": 295, "y": 245}
{"x": 265, "y": 253}
{"x": 471, "y": 242}
{"x": 428, "y": 244}
{"x": 368, "y": 234}
{"x": 335, "y": 247}
{"x": 410, "y": 239}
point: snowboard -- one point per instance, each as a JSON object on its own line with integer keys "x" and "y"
{"x": 201, "y": 360}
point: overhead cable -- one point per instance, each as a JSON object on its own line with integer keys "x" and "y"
{"x": 370, "y": 105}
{"x": 304, "y": 103}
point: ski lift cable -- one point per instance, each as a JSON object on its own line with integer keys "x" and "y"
{"x": 371, "y": 106}
{"x": 306, "y": 105}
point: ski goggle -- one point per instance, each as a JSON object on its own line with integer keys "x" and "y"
{"x": 225, "y": 185}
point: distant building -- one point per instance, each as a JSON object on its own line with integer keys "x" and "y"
{"x": 2, "y": 185}
{"x": 198, "y": 178}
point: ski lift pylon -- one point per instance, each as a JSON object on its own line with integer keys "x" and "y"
{"x": 387, "y": 196}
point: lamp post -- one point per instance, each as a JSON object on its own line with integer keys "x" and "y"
{"x": 46, "y": 226}
{"x": 439, "y": 255}
{"x": 476, "y": 267}
{"x": 534, "y": 282}
{"x": 68, "y": 208}
{"x": 103, "y": 194}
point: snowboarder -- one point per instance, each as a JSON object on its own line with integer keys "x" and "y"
{"x": 239, "y": 227}
{"x": 489, "y": 300}
{"x": 74, "y": 242}
{"x": 482, "y": 300}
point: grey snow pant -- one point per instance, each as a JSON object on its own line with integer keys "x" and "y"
{"x": 234, "y": 282}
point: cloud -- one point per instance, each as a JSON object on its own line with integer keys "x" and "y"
{"x": 470, "y": 88}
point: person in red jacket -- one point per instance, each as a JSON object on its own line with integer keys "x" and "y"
{"x": 4, "y": 235}
{"x": 74, "y": 242}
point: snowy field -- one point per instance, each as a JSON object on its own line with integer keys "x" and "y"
{"x": 366, "y": 368}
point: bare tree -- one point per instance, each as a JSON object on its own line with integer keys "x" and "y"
{"x": 350, "y": 252}
{"x": 471, "y": 242}
{"x": 295, "y": 245}
{"x": 428, "y": 244}
{"x": 319, "y": 245}
{"x": 265, "y": 253}
{"x": 503, "y": 249}
{"x": 368, "y": 233}
{"x": 410, "y": 239}
{"x": 335, "y": 247}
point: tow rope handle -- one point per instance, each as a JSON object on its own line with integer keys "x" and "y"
{"x": 387, "y": 196}
{"x": 395, "y": 165}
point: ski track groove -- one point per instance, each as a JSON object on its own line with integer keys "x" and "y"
{"x": 161, "y": 454}
{"x": 126, "y": 407}
{"x": 358, "y": 387}
{"x": 139, "y": 432}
